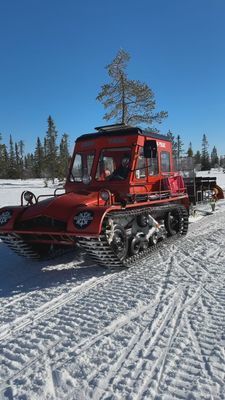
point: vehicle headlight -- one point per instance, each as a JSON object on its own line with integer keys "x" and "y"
{"x": 104, "y": 194}
{"x": 28, "y": 196}
{"x": 5, "y": 217}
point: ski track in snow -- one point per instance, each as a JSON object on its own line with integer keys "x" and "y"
{"x": 72, "y": 330}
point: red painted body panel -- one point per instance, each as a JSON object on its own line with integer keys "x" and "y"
{"x": 60, "y": 207}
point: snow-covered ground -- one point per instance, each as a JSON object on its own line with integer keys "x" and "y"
{"x": 70, "y": 330}
{"x": 10, "y": 190}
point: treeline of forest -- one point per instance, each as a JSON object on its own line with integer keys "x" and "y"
{"x": 50, "y": 159}
{"x": 202, "y": 160}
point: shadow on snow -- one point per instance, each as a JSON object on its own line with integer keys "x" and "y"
{"x": 20, "y": 275}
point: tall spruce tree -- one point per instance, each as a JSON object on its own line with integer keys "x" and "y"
{"x": 4, "y": 160}
{"x": 214, "y": 158}
{"x": 2, "y": 166}
{"x": 197, "y": 159}
{"x": 21, "y": 156}
{"x": 205, "y": 154}
{"x": 51, "y": 148}
{"x": 128, "y": 101}
{"x": 190, "y": 151}
{"x": 17, "y": 161}
{"x": 63, "y": 156}
{"x": 38, "y": 159}
{"x": 29, "y": 166}
{"x": 222, "y": 162}
{"x": 180, "y": 147}
{"x": 12, "y": 171}
{"x": 171, "y": 136}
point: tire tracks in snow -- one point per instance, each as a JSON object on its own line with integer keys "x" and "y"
{"x": 58, "y": 325}
{"x": 148, "y": 340}
{"x": 43, "y": 311}
{"x": 160, "y": 347}
{"x": 197, "y": 373}
{"x": 85, "y": 344}
{"x": 160, "y": 367}
{"x": 183, "y": 260}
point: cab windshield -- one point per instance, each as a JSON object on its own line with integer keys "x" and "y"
{"x": 82, "y": 166}
{"x": 113, "y": 164}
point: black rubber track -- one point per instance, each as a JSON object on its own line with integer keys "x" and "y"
{"x": 99, "y": 249}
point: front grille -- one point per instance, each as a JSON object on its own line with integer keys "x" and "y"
{"x": 41, "y": 222}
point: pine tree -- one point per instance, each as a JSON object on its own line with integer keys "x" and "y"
{"x": 214, "y": 158}
{"x": 4, "y": 160}
{"x": 12, "y": 171}
{"x": 171, "y": 136}
{"x": 2, "y": 166}
{"x": 128, "y": 101}
{"x": 29, "y": 166}
{"x": 190, "y": 151}
{"x": 17, "y": 161}
{"x": 197, "y": 158}
{"x": 21, "y": 156}
{"x": 205, "y": 155}
{"x": 222, "y": 162}
{"x": 45, "y": 148}
{"x": 180, "y": 146}
{"x": 38, "y": 159}
{"x": 63, "y": 156}
{"x": 51, "y": 157}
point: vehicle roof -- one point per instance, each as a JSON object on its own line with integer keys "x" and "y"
{"x": 119, "y": 130}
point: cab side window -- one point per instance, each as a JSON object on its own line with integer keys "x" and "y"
{"x": 77, "y": 171}
{"x": 90, "y": 160}
{"x": 153, "y": 168}
{"x": 140, "y": 172}
{"x": 165, "y": 161}
{"x": 151, "y": 155}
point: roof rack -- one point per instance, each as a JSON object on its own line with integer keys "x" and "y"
{"x": 112, "y": 127}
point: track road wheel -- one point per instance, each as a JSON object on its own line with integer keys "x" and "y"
{"x": 153, "y": 239}
{"x": 119, "y": 243}
{"x": 144, "y": 245}
{"x": 173, "y": 222}
{"x": 135, "y": 246}
{"x": 142, "y": 220}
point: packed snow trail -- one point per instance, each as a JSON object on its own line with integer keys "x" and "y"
{"x": 72, "y": 330}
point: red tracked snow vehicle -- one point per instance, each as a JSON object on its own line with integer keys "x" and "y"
{"x": 121, "y": 200}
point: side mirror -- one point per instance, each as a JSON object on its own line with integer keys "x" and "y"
{"x": 150, "y": 149}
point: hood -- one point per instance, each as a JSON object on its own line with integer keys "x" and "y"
{"x": 60, "y": 207}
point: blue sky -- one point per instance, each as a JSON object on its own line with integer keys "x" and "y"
{"x": 53, "y": 55}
